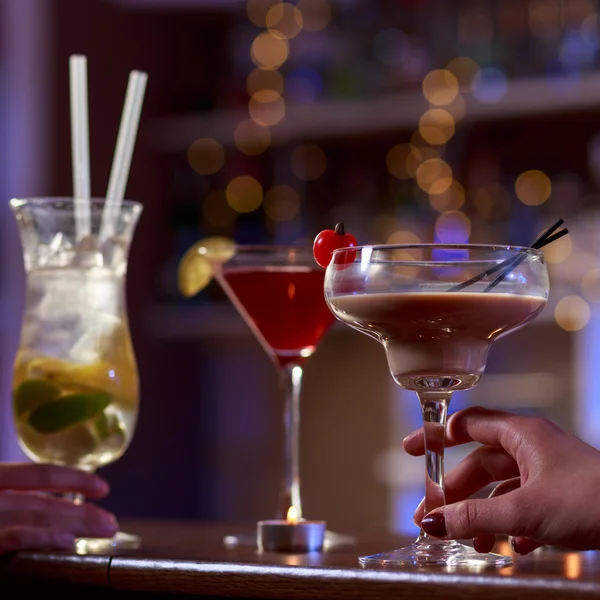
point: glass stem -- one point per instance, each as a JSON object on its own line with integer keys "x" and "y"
{"x": 434, "y": 406}
{"x": 291, "y": 379}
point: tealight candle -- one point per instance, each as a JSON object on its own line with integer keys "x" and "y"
{"x": 291, "y": 534}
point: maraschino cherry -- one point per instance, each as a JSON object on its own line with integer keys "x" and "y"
{"x": 332, "y": 239}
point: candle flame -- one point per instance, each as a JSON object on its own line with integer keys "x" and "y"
{"x": 292, "y": 515}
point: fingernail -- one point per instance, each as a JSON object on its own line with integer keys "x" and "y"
{"x": 519, "y": 548}
{"x": 435, "y": 524}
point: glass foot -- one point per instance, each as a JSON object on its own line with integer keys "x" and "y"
{"x": 430, "y": 552}
{"x": 120, "y": 541}
{"x": 247, "y": 540}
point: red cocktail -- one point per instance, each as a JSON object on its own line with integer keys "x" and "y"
{"x": 278, "y": 290}
{"x": 283, "y": 305}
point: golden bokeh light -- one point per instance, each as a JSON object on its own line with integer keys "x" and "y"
{"x": 572, "y": 313}
{"x": 217, "y": 211}
{"x": 284, "y": 18}
{"x": 308, "y": 162}
{"x": 590, "y": 286}
{"x": 260, "y": 80}
{"x": 403, "y": 237}
{"x": 266, "y": 107}
{"x": 282, "y": 203}
{"x": 244, "y": 194}
{"x": 558, "y": 251}
{"x": 418, "y": 155}
{"x": 396, "y": 161}
{"x": 440, "y": 87}
{"x": 251, "y": 138}
{"x": 533, "y": 187}
{"x": 316, "y": 14}
{"x": 457, "y": 108}
{"x": 269, "y": 50}
{"x": 450, "y": 199}
{"x": 453, "y": 227}
{"x": 464, "y": 69}
{"x": 206, "y": 156}
{"x": 434, "y": 176}
{"x": 257, "y": 10}
{"x": 437, "y": 126}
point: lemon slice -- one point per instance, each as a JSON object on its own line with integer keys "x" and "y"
{"x": 196, "y": 268}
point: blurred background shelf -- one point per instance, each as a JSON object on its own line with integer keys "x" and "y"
{"x": 531, "y": 97}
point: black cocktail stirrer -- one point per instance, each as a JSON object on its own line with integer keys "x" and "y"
{"x": 505, "y": 267}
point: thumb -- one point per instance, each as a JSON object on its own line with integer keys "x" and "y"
{"x": 506, "y": 514}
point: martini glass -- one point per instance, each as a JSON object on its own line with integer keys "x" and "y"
{"x": 278, "y": 290}
{"x": 436, "y": 309}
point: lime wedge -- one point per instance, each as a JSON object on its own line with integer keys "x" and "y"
{"x": 108, "y": 428}
{"x": 32, "y": 393}
{"x": 67, "y": 411}
{"x": 196, "y": 268}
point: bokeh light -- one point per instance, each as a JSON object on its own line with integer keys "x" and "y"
{"x": 452, "y": 227}
{"x": 436, "y": 126}
{"x": 266, "y": 107}
{"x": 440, "y": 87}
{"x": 457, "y": 108}
{"x": 251, "y": 138}
{"x": 282, "y": 203}
{"x": 244, "y": 194}
{"x": 403, "y": 236}
{"x": 533, "y": 187}
{"x": 558, "y": 251}
{"x": 316, "y": 14}
{"x": 418, "y": 155}
{"x": 257, "y": 10}
{"x": 269, "y": 50}
{"x": 259, "y": 80}
{"x": 450, "y": 199}
{"x": 206, "y": 156}
{"x": 590, "y": 286}
{"x": 572, "y": 313}
{"x": 308, "y": 162}
{"x": 284, "y": 18}
{"x": 434, "y": 176}
{"x": 396, "y": 161}
{"x": 464, "y": 69}
{"x": 217, "y": 211}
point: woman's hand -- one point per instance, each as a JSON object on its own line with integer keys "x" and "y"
{"x": 549, "y": 490}
{"x": 31, "y": 518}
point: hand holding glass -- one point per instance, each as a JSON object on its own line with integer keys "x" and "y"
{"x": 436, "y": 340}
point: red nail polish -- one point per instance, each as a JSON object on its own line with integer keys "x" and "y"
{"x": 435, "y": 524}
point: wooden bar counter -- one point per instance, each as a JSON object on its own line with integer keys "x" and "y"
{"x": 189, "y": 558}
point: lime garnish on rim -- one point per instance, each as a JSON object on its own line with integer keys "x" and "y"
{"x": 32, "y": 393}
{"x": 67, "y": 411}
{"x": 196, "y": 268}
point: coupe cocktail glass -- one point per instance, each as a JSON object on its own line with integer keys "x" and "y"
{"x": 278, "y": 290}
{"x": 75, "y": 384}
{"x": 436, "y": 333}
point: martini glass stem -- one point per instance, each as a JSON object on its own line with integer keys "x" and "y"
{"x": 291, "y": 379}
{"x": 434, "y": 406}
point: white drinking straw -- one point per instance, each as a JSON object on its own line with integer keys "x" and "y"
{"x": 119, "y": 173}
{"x": 80, "y": 144}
